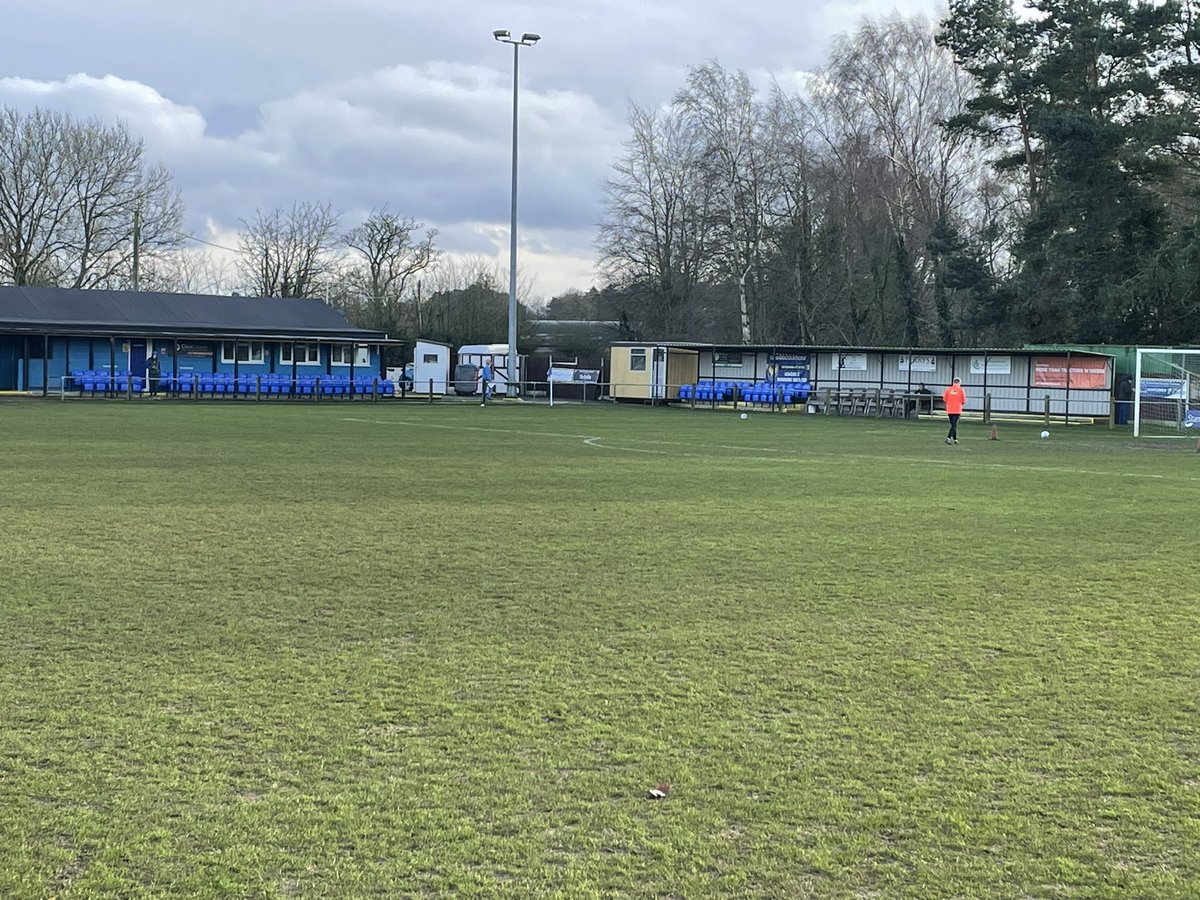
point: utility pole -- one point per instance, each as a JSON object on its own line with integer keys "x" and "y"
{"x": 137, "y": 244}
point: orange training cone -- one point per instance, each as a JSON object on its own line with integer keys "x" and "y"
{"x": 994, "y": 436}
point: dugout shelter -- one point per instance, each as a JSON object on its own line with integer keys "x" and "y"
{"x": 1017, "y": 381}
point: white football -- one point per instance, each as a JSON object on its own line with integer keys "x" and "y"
{"x": 1045, "y": 434}
{"x": 744, "y": 416}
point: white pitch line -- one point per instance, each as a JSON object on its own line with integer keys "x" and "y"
{"x": 780, "y": 454}
{"x": 595, "y": 442}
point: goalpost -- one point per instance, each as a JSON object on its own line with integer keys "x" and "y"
{"x": 1166, "y": 397}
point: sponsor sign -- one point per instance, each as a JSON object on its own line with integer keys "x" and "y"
{"x": 1163, "y": 388}
{"x": 788, "y": 368}
{"x": 850, "y": 362}
{"x": 575, "y": 376}
{"x": 991, "y": 365}
{"x": 1062, "y": 371}
{"x": 189, "y": 349}
{"x": 916, "y": 363}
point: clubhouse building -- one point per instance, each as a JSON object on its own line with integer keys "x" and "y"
{"x": 49, "y": 334}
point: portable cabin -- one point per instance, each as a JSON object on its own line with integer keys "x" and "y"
{"x": 651, "y": 371}
{"x": 431, "y": 365}
{"x": 495, "y": 355}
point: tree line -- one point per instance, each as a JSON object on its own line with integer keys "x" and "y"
{"x": 996, "y": 178}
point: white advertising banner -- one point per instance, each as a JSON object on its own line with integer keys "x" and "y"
{"x": 851, "y": 362}
{"x": 991, "y": 365}
{"x": 916, "y": 363}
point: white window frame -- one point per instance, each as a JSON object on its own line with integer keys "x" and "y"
{"x": 341, "y": 354}
{"x": 636, "y": 355}
{"x": 306, "y": 354}
{"x": 251, "y": 357}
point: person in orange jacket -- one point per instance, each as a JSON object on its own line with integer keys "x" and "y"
{"x": 954, "y": 398}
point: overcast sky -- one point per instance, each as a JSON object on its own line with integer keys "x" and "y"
{"x": 258, "y": 103}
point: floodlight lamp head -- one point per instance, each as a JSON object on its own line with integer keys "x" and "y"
{"x": 501, "y": 34}
{"x": 530, "y": 38}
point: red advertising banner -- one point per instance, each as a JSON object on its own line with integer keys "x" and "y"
{"x": 1052, "y": 371}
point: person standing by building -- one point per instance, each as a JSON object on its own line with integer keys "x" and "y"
{"x": 485, "y": 379}
{"x": 153, "y": 371}
{"x": 1124, "y": 399}
{"x": 922, "y": 402}
{"x": 954, "y": 397}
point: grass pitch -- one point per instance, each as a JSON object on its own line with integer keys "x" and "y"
{"x": 398, "y": 649}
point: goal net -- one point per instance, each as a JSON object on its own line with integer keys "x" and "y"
{"x": 1166, "y": 399}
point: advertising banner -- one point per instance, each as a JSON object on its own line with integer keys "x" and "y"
{"x": 1162, "y": 388}
{"x": 991, "y": 365}
{"x": 788, "y": 368}
{"x": 851, "y": 362}
{"x": 574, "y": 376}
{"x": 915, "y": 363}
{"x": 1052, "y": 371}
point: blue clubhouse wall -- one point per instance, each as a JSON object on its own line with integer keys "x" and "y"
{"x": 100, "y": 358}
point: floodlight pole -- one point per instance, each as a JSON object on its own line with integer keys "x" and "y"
{"x": 526, "y": 40}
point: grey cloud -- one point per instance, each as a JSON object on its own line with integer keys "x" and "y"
{"x": 366, "y": 102}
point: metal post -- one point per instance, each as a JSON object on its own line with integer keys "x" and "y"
{"x": 512, "y": 248}
{"x": 528, "y": 39}
{"x": 1046, "y": 413}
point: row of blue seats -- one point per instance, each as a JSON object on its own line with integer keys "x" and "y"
{"x": 104, "y": 381}
{"x": 216, "y": 383}
{"x": 747, "y": 391}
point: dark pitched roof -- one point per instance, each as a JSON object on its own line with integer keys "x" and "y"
{"x": 843, "y": 348}
{"x": 137, "y": 312}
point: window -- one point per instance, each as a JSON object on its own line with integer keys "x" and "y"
{"x": 341, "y": 354}
{"x": 637, "y": 360}
{"x": 242, "y": 351}
{"x": 429, "y": 359}
{"x": 305, "y": 354}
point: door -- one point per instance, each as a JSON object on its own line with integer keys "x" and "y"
{"x": 658, "y": 373}
{"x": 8, "y": 364}
{"x": 137, "y": 358}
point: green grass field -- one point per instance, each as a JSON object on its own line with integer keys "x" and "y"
{"x": 408, "y": 650}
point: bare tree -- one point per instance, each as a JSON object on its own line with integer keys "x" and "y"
{"x": 78, "y": 201}
{"x": 887, "y": 91}
{"x": 388, "y": 253}
{"x": 655, "y": 239}
{"x": 289, "y": 254}
{"x": 796, "y": 234}
{"x": 188, "y": 271}
{"x": 738, "y": 150}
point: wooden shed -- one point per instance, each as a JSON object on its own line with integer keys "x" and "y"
{"x": 651, "y": 371}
